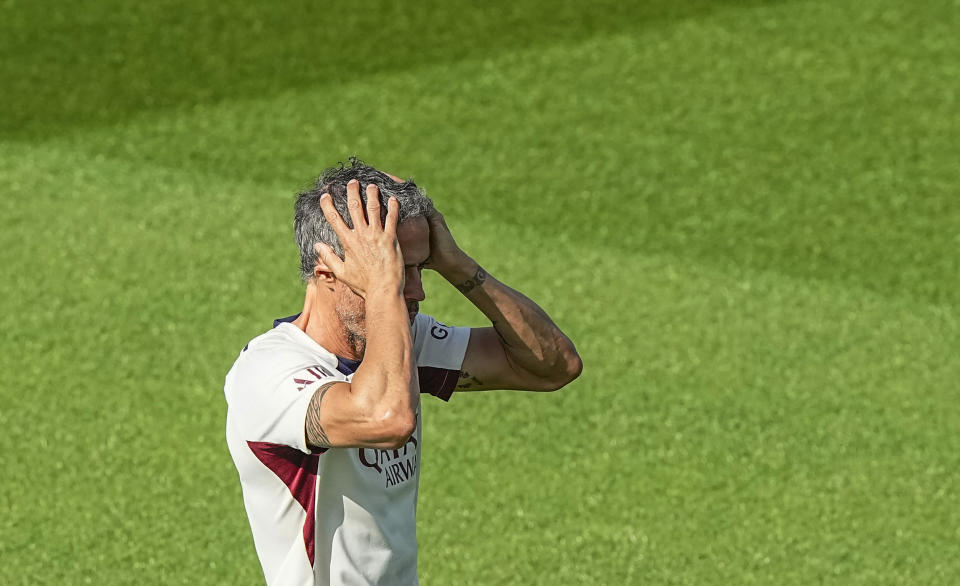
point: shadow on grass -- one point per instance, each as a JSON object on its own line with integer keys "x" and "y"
{"x": 69, "y": 65}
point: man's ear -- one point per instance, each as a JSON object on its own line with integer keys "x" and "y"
{"x": 322, "y": 273}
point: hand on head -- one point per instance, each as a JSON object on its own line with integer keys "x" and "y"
{"x": 372, "y": 257}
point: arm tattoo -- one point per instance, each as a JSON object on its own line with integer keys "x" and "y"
{"x": 316, "y": 437}
{"x": 468, "y": 381}
{"x": 471, "y": 284}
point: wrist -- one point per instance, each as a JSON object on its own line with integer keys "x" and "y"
{"x": 386, "y": 290}
{"x": 468, "y": 278}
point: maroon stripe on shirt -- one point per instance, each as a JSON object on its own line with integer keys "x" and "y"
{"x": 299, "y": 472}
{"x": 438, "y": 382}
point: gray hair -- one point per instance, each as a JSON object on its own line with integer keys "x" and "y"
{"x": 311, "y": 227}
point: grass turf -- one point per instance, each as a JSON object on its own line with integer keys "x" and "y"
{"x": 745, "y": 214}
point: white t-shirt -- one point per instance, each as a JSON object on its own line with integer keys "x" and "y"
{"x": 336, "y": 516}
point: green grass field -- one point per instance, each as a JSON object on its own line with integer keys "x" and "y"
{"x": 745, "y": 214}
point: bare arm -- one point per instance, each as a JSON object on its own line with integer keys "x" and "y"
{"x": 378, "y": 407}
{"x": 523, "y": 349}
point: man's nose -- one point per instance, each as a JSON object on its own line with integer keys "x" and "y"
{"x": 413, "y": 287}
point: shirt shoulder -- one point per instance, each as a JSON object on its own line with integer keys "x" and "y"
{"x": 269, "y": 388}
{"x": 277, "y": 354}
{"x": 439, "y": 350}
{"x": 437, "y": 344}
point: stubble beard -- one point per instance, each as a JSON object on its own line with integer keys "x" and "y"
{"x": 352, "y": 313}
{"x": 353, "y": 322}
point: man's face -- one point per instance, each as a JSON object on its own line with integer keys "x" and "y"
{"x": 414, "y": 238}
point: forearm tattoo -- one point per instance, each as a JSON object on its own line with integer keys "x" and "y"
{"x": 471, "y": 284}
{"x": 316, "y": 436}
{"x": 468, "y": 381}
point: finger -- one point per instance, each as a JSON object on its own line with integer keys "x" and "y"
{"x": 435, "y": 219}
{"x": 393, "y": 212}
{"x": 373, "y": 206}
{"x": 355, "y": 205}
{"x": 328, "y": 257}
{"x": 333, "y": 216}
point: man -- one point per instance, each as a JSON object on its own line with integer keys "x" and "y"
{"x": 323, "y": 418}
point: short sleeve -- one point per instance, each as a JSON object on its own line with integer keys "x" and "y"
{"x": 439, "y": 350}
{"x": 268, "y": 401}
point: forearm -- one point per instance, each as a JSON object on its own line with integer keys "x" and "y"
{"x": 385, "y": 384}
{"x": 531, "y": 340}
{"x": 376, "y": 409}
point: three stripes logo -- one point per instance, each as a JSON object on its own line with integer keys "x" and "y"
{"x": 318, "y": 372}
